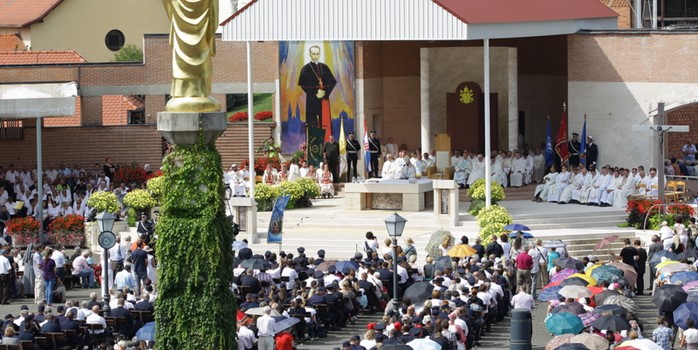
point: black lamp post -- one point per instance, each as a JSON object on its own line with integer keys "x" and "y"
{"x": 107, "y": 240}
{"x": 395, "y": 225}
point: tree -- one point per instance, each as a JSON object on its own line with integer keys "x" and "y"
{"x": 129, "y": 53}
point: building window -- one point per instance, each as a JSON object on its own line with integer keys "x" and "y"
{"x": 114, "y": 40}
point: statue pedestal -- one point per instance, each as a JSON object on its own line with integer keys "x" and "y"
{"x": 245, "y": 213}
{"x": 446, "y": 200}
{"x": 185, "y": 128}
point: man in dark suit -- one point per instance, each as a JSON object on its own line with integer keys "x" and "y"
{"x": 248, "y": 279}
{"x": 573, "y": 147}
{"x": 386, "y": 274}
{"x": 640, "y": 264}
{"x": 144, "y": 304}
{"x": 331, "y": 152}
{"x": 592, "y": 152}
{"x": 145, "y": 227}
{"x": 70, "y": 323}
{"x": 353, "y": 151}
{"x": 369, "y": 291}
{"x": 654, "y": 248}
{"x": 51, "y": 326}
{"x": 374, "y": 148}
{"x": 126, "y": 327}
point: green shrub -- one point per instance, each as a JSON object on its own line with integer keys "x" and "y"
{"x": 131, "y": 217}
{"x": 475, "y": 206}
{"x": 478, "y": 191}
{"x": 492, "y": 221}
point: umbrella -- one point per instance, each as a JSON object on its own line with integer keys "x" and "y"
{"x": 461, "y": 251}
{"x": 668, "y": 297}
{"x": 572, "y": 346}
{"x": 236, "y": 261}
{"x": 601, "y": 297}
{"x": 611, "y": 322}
{"x": 665, "y": 263}
{"x": 147, "y": 332}
{"x": 592, "y": 341}
{"x": 596, "y": 290}
{"x": 690, "y": 285}
{"x": 611, "y": 309}
{"x": 554, "y": 244}
{"x": 588, "y": 318}
{"x": 346, "y": 264}
{"x": 688, "y": 253}
{"x": 286, "y": 323}
{"x": 549, "y": 294}
{"x": 570, "y": 263}
{"x": 692, "y": 296}
{"x": 237, "y": 245}
{"x": 424, "y": 344}
{"x": 573, "y": 308}
{"x": 574, "y": 281}
{"x": 442, "y": 263}
{"x": 418, "y": 292}
{"x": 558, "y": 340}
{"x": 552, "y": 284}
{"x": 684, "y": 277}
{"x": 396, "y": 347}
{"x": 605, "y": 242}
{"x": 574, "y": 292}
{"x": 589, "y": 270}
{"x": 628, "y": 271}
{"x": 657, "y": 257}
{"x": 606, "y": 273}
{"x": 255, "y": 264}
{"x": 674, "y": 268}
{"x": 516, "y": 227}
{"x": 624, "y": 302}
{"x": 435, "y": 241}
{"x": 259, "y": 311}
{"x": 562, "y": 274}
{"x": 325, "y": 265}
{"x": 639, "y": 344}
{"x": 590, "y": 280}
{"x": 684, "y": 312}
{"x": 525, "y": 235}
{"x": 564, "y": 323}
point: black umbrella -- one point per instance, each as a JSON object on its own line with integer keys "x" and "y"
{"x": 396, "y": 347}
{"x": 572, "y": 346}
{"x": 419, "y": 291}
{"x": 258, "y": 256}
{"x": 611, "y": 322}
{"x": 569, "y": 263}
{"x": 601, "y": 297}
{"x": 657, "y": 257}
{"x": 669, "y": 297}
{"x": 574, "y": 281}
{"x": 573, "y": 308}
{"x": 688, "y": 253}
{"x": 254, "y": 264}
{"x": 611, "y": 309}
{"x": 236, "y": 261}
{"x": 442, "y": 263}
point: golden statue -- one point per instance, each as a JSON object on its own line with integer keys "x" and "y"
{"x": 193, "y": 25}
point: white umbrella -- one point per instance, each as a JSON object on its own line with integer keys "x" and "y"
{"x": 259, "y": 311}
{"x": 575, "y": 292}
{"x": 641, "y": 344}
{"x": 424, "y": 344}
{"x": 286, "y": 323}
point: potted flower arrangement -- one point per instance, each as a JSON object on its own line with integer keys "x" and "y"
{"x": 68, "y": 230}
{"x": 104, "y": 201}
{"x": 265, "y": 196}
{"x": 138, "y": 200}
{"x": 23, "y": 230}
{"x": 292, "y": 189}
{"x": 310, "y": 188}
{"x": 492, "y": 221}
{"x": 130, "y": 174}
{"x": 156, "y": 186}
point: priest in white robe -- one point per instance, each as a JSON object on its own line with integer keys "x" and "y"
{"x": 620, "y": 199}
{"x": 577, "y": 180}
{"x": 518, "y": 170}
{"x": 562, "y": 181}
{"x": 591, "y": 179}
{"x": 478, "y": 170}
{"x": 616, "y": 184}
{"x": 547, "y": 182}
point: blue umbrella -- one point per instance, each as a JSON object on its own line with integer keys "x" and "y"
{"x": 516, "y": 227}
{"x": 147, "y": 332}
{"x": 684, "y": 312}
{"x": 525, "y": 235}
{"x": 606, "y": 273}
{"x": 342, "y": 264}
{"x": 684, "y": 277}
{"x": 550, "y": 293}
{"x": 657, "y": 257}
{"x": 692, "y": 296}
{"x": 564, "y": 323}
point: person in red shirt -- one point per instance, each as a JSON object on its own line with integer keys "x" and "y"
{"x": 285, "y": 340}
{"x": 524, "y": 264}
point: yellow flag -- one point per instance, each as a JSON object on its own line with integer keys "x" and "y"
{"x": 342, "y": 139}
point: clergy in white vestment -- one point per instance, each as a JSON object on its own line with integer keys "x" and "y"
{"x": 581, "y": 185}
{"x": 599, "y": 187}
{"x": 576, "y": 181}
{"x": 616, "y": 184}
{"x": 387, "y": 172}
{"x": 498, "y": 173}
{"x": 478, "y": 169}
{"x": 562, "y": 181}
{"x": 459, "y": 167}
{"x": 620, "y": 199}
{"x": 589, "y": 185}
{"x": 429, "y": 160}
{"x": 547, "y": 182}
{"x": 653, "y": 188}
{"x": 518, "y": 170}
{"x": 420, "y": 166}
{"x": 529, "y": 162}
{"x": 538, "y": 166}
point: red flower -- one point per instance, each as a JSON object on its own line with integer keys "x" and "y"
{"x": 129, "y": 174}
{"x": 264, "y": 115}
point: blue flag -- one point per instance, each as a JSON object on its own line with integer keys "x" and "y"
{"x": 548, "y": 147}
{"x": 276, "y": 223}
{"x": 583, "y": 147}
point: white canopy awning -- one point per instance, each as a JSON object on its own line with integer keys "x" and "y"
{"x": 395, "y": 20}
{"x": 38, "y": 100}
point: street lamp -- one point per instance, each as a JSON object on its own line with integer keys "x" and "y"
{"x": 106, "y": 240}
{"x": 395, "y": 224}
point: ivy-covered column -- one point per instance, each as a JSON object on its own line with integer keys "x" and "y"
{"x": 195, "y": 308}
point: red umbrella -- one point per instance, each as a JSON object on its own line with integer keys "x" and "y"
{"x": 605, "y": 242}
{"x": 552, "y": 284}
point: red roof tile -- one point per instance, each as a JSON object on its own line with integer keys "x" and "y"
{"x": 115, "y": 108}
{"x": 513, "y": 11}
{"x": 11, "y": 42}
{"x": 21, "y": 13}
{"x": 616, "y": 3}
{"x": 40, "y": 57}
